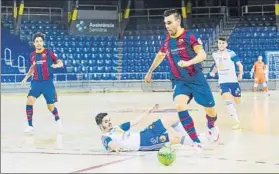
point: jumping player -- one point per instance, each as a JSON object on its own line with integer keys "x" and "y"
{"x": 260, "y": 70}
{"x": 42, "y": 63}
{"x": 225, "y": 61}
{"x": 120, "y": 138}
{"x": 184, "y": 52}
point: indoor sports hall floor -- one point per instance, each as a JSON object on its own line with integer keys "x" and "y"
{"x": 79, "y": 149}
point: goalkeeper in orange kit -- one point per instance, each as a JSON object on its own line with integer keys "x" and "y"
{"x": 259, "y": 72}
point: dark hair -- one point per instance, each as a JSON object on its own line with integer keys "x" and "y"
{"x": 222, "y": 38}
{"x": 39, "y": 34}
{"x": 99, "y": 117}
{"x": 172, "y": 12}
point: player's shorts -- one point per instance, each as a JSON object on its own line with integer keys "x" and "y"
{"x": 198, "y": 89}
{"x": 43, "y": 87}
{"x": 260, "y": 79}
{"x": 153, "y": 137}
{"x": 233, "y": 88}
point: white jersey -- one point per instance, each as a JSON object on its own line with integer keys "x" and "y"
{"x": 121, "y": 137}
{"x": 226, "y": 66}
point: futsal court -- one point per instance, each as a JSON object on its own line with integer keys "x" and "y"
{"x": 79, "y": 148}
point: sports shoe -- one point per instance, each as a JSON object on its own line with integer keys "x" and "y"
{"x": 236, "y": 126}
{"x": 213, "y": 134}
{"x": 59, "y": 126}
{"x": 29, "y": 129}
{"x": 198, "y": 147}
{"x": 265, "y": 89}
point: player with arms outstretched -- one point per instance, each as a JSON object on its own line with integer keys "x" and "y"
{"x": 259, "y": 72}
{"x": 153, "y": 137}
{"x": 184, "y": 51}
{"x": 225, "y": 61}
{"x": 42, "y": 63}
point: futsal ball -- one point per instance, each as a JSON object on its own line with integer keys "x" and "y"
{"x": 166, "y": 155}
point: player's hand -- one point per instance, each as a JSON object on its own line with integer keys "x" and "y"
{"x": 117, "y": 150}
{"x": 23, "y": 82}
{"x": 183, "y": 63}
{"x": 155, "y": 107}
{"x": 148, "y": 77}
{"x": 55, "y": 66}
{"x": 212, "y": 74}
{"x": 239, "y": 77}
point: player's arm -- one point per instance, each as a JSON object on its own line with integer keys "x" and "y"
{"x": 201, "y": 55}
{"x": 28, "y": 74}
{"x": 240, "y": 67}
{"x": 109, "y": 145}
{"x": 264, "y": 69}
{"x": 196, "y": 44}
{"x": 138, "y": 119}
{"x": 157, "y": 61}
{"x": 57, "y": 62}
{"x": 236, "y": 60}
{"x": 113, "y": 147}
{"x": 214, "y": 70}
{"x": 252, "y": 71}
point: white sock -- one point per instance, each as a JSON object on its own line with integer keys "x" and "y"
{"x": 179, "y": 128}
{"x": 185, "y": 140}
{"x": 232, "y": 110}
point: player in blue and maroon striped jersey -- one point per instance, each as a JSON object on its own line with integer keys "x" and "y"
{"x": 43, "y": 61}
{"x": 184, "y": 51}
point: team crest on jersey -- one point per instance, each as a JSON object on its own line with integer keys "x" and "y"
{"x": 163, "y": 138}
{"x": 180, "y": 41}
{"x": 43, "y": 55}
{"x": 221, "y": 66}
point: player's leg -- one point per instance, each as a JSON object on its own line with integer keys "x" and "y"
{"x": 54, "y": 111}
{"x": 204, "y": 97}
{"x": 167, "y": 123}
{"x": 265, "y": 87}
{"x": 33, "y": 94}
{"x": 231, "y": 92}
{"x": 263, "y": 81}
{"x": 51, "y": 97}
{"x": 155, "y": 136}
{"x": 182, "y": 96}
{"x": 256, "y": 84}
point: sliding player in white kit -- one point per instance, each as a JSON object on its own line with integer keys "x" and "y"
{"x": 120, "y": 138}
{"x": 225, "y": 61}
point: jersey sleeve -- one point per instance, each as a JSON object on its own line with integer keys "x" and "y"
{"x": 234, "y": 57}
{"x": 31, "y": 59}
{"x": 53, "y": 56}
{"x": 125, "y": 126}
{"x": 106, "y": 140}
{"x": 162, "y": 43}
{"x": 195, "y": 41}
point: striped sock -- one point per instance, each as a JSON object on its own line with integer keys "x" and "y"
{"x": 29, "y": 114}
{"x": 211, "y": 121}
{"x": 55, "y": 113}
{"x": 188, "y": 124}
